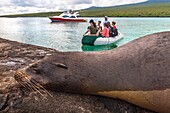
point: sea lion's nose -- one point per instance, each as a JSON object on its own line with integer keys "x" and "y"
{"x": 20, "y": 76}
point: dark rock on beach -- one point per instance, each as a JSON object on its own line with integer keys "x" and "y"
{"x": 17, "y": 99}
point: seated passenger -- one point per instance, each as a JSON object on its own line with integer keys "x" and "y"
{"x": 99, "y": 28}
{"x": 105, "y": 32}
{"x": 92, "y": 29}
{"x": 110, "y": 29}
{"x": 113, "y": 31}
{"x": 114, "y": 24}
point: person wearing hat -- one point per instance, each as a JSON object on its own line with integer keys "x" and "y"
{"x": 105, "y": 20}
{"x": 92, "y": 29}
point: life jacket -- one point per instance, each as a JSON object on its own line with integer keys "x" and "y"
{"x": 113, "y": 32}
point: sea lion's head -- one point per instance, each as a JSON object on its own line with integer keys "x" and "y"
{"x": 52, "y": 73}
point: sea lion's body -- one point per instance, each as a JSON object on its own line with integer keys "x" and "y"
{"x": 138, "y": 72}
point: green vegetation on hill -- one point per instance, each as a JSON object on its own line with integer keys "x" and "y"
{"x": 139, "y": 10}
{"x": 149, "y": 10}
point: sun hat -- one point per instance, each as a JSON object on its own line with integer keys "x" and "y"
{"x": 91, "y": 21}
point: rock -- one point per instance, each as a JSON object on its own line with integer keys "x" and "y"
{"x": 8, "y": 64}
{"x": 19, "y": 60}
{"x": 3, "y": 100}
{"x": 4, "y": 45}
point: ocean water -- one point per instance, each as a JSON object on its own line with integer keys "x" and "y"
{"x": 67, "y": 36}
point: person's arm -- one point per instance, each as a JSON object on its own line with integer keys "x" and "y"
{"x": 86, "y": 32}
{"x": 98, "y": 32}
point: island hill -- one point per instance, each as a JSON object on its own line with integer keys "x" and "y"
{"x": 151, "y": 8}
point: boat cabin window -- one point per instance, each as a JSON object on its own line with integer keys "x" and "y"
{"x": 65, "y": 16}
{"x": 72, "y": 17}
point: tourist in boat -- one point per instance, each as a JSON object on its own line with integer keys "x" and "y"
{"x": 92, "y": 29}
{"x": 99, "y": 28}
{"x": 114, "y": 24}
{"x": 105, "y": 19}
{"x": 70, "y": 11}
{"x": 110, "y": 29}
{"x": 105, "y": 32}
{"x": 99, "y": 25}
{"x": 114, "y": 31}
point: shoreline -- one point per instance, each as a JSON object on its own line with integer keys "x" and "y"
{"x": 14, "y": 56}
{"x": 90, "y": 16}
{"x": 96, "y": 17}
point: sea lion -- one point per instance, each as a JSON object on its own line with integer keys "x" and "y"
{"x": 137, "y": 72}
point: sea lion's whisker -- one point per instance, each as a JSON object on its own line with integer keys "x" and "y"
{"x": 25, "y": 82}
{"x": 33, "y": 84}
{"x": 37, "y": 90}
{"x": 27, "y": 85}
{"x": 40, "y": 86}
{"x": 31, "y": 87}
{"x": 22, "y": 83}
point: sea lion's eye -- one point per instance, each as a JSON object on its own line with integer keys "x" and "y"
{"x": 61, "y": 65}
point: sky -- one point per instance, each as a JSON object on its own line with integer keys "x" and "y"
{"x": 32, "y": 6}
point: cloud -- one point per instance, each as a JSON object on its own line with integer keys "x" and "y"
{"x": 81, "y": 2}
{"x": 5, "y": 3}
{"x": 35, "y": 3}
{"x": 48, "y": 3}
{"x": 115, "y": 2}
{"x": 28, "y": 6}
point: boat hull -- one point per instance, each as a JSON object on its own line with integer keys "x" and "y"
{"x": 97, "y": 40}
{"x": 59, "y": 19}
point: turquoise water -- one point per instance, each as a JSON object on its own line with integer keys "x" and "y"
{"x": 67, "y": 36}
